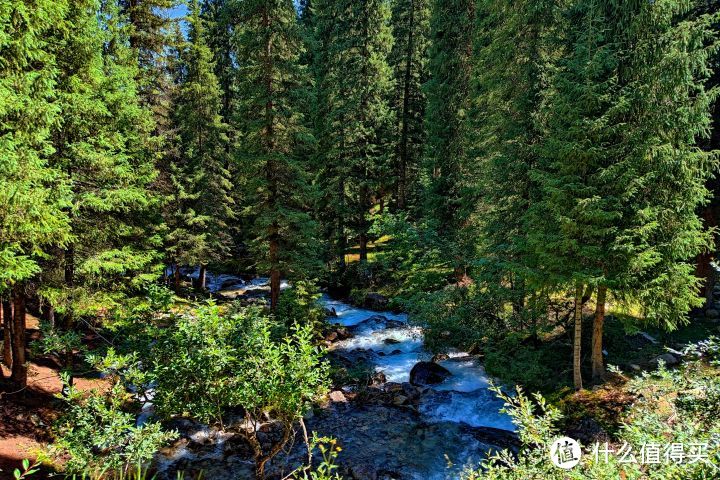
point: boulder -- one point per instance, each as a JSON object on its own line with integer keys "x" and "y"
{"x": 428, "y": 373}
{"x": 669, "y": 359}
{"x": 375, "y": 301}
{"x": 399, "y": 400}
{"x": 331, "y": 337}
{"x": 397, "y": 351}
{"x": 330, "y": 312}
{"x": 336, "y": 396}
{"x": 439, "y": 357}
{"x": 391, "y": 341}
{"x": 378, "y": 378}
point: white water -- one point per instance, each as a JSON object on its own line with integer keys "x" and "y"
{"x": 468, "y": 399}
{"x": 462, "y": 399}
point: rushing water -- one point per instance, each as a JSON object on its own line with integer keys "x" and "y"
{"x": 400, "y": 442}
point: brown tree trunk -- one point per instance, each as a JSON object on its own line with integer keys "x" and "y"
{"x": 577, "y": 374}
{"x": 70, "y": 284}
{"x": 202, "y": 277}
{"x": 176, "y": 275}
{"x": 274, "y": 269}
{"x": 598, "y": 367}
{"x": 363, "y": 247}
{"x": 19, "y": 369}
{"x": 7, "y": 316}
{"x": 404, "y": 137}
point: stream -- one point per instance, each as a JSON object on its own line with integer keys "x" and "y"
{"x": 448, "y": 427}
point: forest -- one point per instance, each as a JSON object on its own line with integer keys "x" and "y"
{"x": 359, "y": 239}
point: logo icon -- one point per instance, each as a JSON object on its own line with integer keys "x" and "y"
{"x": 565, "y": 453}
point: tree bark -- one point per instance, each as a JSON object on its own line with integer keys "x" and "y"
{"x": 7, "y": 316}
{"x": 202, "y": 277}
{"x": 176, "y": 275}
{"x": 598, "y": 367}
{"x": 70, "y": 284}
{"x": 19, "y": 369}
{"x": 274, "y": 269}
{"x": 577, "y": 374}
{"x": 363, "y": 247}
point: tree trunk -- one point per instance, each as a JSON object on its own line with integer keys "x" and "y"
{"x": 202, "y": 277}
{"x": 7, "y": 315}
{"x": 176, "y": 275}
{"x": 19, "y": 369}
{"x": 598, "y": 368}
{"x": 274, "y": 269}
{"x": 363, "y": 247}
{"x": 70, "y": 284}
{"x": 577, "y": 374}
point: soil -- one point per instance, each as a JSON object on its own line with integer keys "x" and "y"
{"x": 26, "y": 416}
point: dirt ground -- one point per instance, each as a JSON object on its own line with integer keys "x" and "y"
{"x": 26, "y": 416}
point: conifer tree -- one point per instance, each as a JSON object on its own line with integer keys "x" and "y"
{"x": 408, "y": 58}
{"x": 621, "y": 184}
{"x": 201, "y": 205}
{"x": 101, "y": 146}
{"x": 511, "y": 49}
{"x": 270, "y": 126}
{"x": 355, "y": 120}
{"x": 451, "y": 34}
{"x": 32, "y": 193}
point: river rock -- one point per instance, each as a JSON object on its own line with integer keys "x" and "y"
{"x": 330, "y": 312}
{"x": 399, "y": 400}
{"x": 391, "y": 341}
{"x": 337, "y": 396}
{"x": 428, "y": 373}
{"x": 669, "y": 359}
{"x": 439, "y": 357}
{"x": 378, "y": 378}
{"x": 375, "y": 301}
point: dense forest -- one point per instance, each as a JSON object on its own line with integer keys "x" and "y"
{"x": 186, "y": 188}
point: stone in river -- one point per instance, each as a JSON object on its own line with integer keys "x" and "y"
{"x": 428, "y": 373}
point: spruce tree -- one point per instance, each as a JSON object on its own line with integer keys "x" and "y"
{"x": 355, "y": 120}
{"x": 451, "y": 34}
{"x": 270, "y": 126}
{"x": 32, "y": 194}
{"x": 201, "y": 206}
{"x": 621, "y": 182}
{"x": 512, "y": 46}
{"x": 411, "y": 27}
{"x": 101, "y": 146}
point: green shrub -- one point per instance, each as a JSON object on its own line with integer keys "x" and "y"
{"x": 97, "y": 434}
{"x": 299, "y": 305}
{"x": 208, "y": 362}
{"x": 677, "y": 406}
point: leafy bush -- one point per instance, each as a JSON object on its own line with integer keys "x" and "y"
{"x": 679, "y": 406}
{"x": 97, "y": 435}
{"x": 208, "y": 362}
{"x": 299, "y": 306}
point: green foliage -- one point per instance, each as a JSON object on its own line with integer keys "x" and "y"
{"x": 299, "y": 306}
{"x": 325, "y": 470}
{"x": 671, "y": 407}
{"x": 208, "y": 362}
{"x": 27, "y": 470}
{"x": 353, "y": 116}
{"x": 33, "y": 195}
{"x": 97, "y": 434}
{"x": 201, "y": 207}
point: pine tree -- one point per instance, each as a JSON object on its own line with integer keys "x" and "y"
{"x": 201, "y": 206}
{"x": 620, "y": 182}
{"x": 270, "y": 126}
{"x": 101, "y": 146}
{"x": 451, "y": 26}
{"x": 511, "y": 50}
{"x": 354, "y": 116}
{"x": 408, "y": 58}
{"x": 32, "y": 194}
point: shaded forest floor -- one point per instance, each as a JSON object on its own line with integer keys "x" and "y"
{"x": 26, "y": 416}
